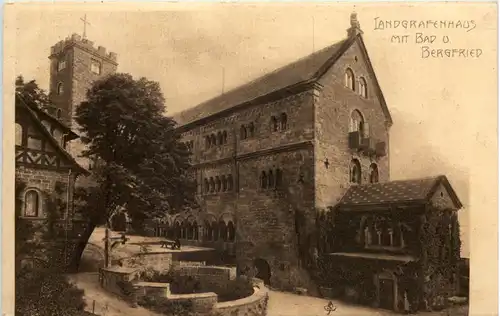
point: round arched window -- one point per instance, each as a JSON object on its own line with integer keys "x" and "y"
{"x": 60, "y": 88}
{"x": 32, "y": 204}
{"x": 355, "y": 172}
{"x": 373, "y": 173}
{"x": 349, "y": 79}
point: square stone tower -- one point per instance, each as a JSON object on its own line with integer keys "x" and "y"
{"x": 74, "y": 65}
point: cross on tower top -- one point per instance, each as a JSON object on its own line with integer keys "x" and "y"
{"x": 85, "y": 23}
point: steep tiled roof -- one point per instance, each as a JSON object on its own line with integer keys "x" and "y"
{"x": 300, "y": 71}
{"x": 393, "y": 192}
{"x": 31, "y": 113}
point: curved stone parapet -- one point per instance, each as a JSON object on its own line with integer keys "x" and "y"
{"x": 255, "y": 304}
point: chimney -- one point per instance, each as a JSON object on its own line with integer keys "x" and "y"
{"x": 355, "y": 28}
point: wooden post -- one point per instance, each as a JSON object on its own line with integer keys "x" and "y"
{"x": 106, "y": 247}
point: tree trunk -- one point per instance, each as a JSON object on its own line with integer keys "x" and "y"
{"x": 80, "y": 247}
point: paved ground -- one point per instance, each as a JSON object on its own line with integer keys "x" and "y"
{"x": 280, "y": 304}
{"x": 106, "y": 304}
{"x": 287, "y": 304}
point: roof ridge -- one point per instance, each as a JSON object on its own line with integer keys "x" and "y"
{"x": 262, "y": 77}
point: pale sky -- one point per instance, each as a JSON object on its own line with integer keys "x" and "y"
{"x": 444, "y": 110}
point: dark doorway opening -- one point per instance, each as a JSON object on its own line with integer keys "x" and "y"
{"x": 119, "y": 222}
{"x": 386, "y": 293}
{"x": 263, "y": 270}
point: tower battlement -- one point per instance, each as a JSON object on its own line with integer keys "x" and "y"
{"x": 77, "y": 40}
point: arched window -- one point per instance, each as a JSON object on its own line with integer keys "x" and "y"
{"x": 177, "y": 230}
{"x": 270, "y": 179}
{"x": 189, "y": 230}
{"x": 283, "y": 121}
{"x": 355, "y": 172}
{"x": 357, "y": 123}
{"x": 231, "y": 232}
{"x": 184, "y": 230}
{"x": 263, "y": 180}
{"x": 215, "y": 231}
{"x": 274, "y": 124}
{"x": 58, "y": 113}
{"x": 278, "y": 177}
{"x": 208, "y": 231}
{"x": 224, "y": 183}
{"x": 206, "y": 186}
{"x": 217, "y": 184}
{"x": 230, "y": 182}
{"x": 220, "y": 138}
{"x": 19, "y": 134}
{"x": 224, "y": 137}
{"x": 363, "y": 88}
{"x": 373, "y": 173}
{"x": 213, "y": 140}
{"x": 222, "y": 230}
{"x": 243, "y": 132}
{"x": 32, "y": 204}
{"x": 194, "y": 227}
{"x": 212, "y": 184}
{"x": 60, "y": 88}
{"x": 251, "y": 129}
{"x": 207, "y": 142}
{"x": 349, "y": 79}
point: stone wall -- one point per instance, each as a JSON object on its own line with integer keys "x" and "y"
{"x": 44, "y": 182}
{"x": 333, "y": 107}
{"x": 112, "y": 278}
{"x": 161, "y": 261}
{"x": 255, "y": 305}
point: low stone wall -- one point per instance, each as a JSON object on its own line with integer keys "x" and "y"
{"x": 220, "y": 278}
{"x": 256, "y": 304}
{"x": 158, "y": 261}
{"x": 111, "y": 278}
{"x": 216, "y": 272}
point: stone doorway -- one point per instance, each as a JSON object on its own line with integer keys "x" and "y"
{"x": 263, "y": 270}
{"x": 387, "y": 290}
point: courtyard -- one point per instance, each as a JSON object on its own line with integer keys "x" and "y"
{"x": 280, "y": 303}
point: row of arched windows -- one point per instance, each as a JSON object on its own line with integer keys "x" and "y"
{"x": 218, "y": 139}
{"x": 189, "y": 230}
{"x": 270, "y": 179}
{"x": 218, "y": 184}
{"x": 279, "y": 123}
{"x": 381, "y": 233}
{"x": 355, "y": 173}
{"x": 350, "y": 82}
{"x": 247, "y": 130}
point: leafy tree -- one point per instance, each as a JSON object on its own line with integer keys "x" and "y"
{"x": 31, "y": 92}
{"x": 142, "y": 165}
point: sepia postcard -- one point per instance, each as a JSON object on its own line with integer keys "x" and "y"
{"x": 250, "y": 159}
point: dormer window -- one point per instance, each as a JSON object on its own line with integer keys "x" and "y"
{"x": 363, "y": 89}
{"x": 95, "y": 67}
{"x": 349, "y": 79}
{"x": 58, "y": 113}
{"x": 61, "y": 64}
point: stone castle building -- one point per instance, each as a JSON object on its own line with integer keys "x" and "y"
{"x": 74, "y": 65}
{"x": 268, "y": 155}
